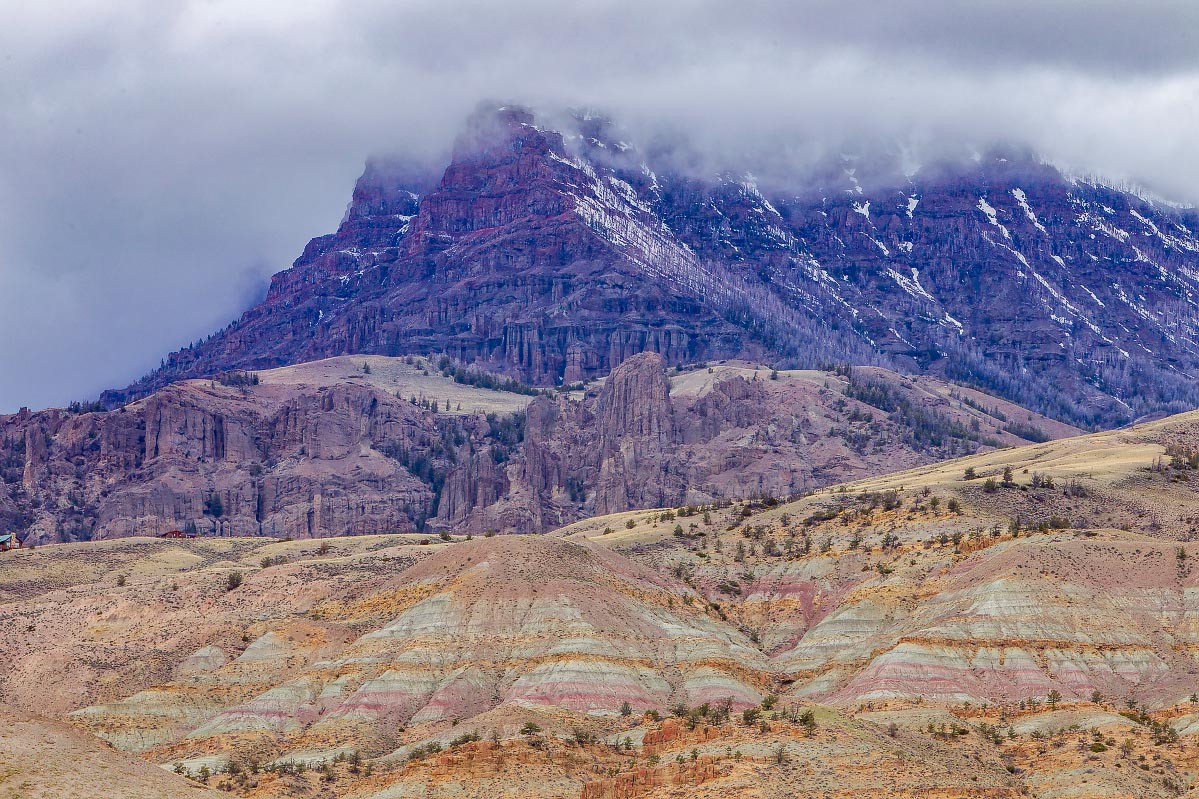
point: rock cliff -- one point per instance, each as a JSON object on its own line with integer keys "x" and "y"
{"x": 373, "y": 444}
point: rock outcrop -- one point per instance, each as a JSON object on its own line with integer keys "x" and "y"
{"x": 326, "y": 448}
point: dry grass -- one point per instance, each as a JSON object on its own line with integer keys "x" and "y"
{"x": 396, "y": 376}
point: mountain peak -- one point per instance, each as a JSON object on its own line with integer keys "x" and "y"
{"x": 555, "y": 252}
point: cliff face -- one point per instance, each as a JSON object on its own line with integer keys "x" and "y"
{"x": 305, "y": 464}
{"x": 327, "y": 449}
{"x": 555, "y": 256}
{"x": 634, "y": 425}
{"x": 500, "y": 263}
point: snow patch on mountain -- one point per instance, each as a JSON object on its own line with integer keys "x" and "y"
{"x": 1022, "y": 198}
{"x": 992, "y": 216}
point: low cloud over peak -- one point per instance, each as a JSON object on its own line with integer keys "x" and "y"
{"x": 159, "y": 161}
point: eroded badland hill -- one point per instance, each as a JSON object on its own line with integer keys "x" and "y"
{"x": 1021, "y": 622}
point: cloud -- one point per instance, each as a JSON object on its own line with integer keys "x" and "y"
{"x": 158, "y": 161}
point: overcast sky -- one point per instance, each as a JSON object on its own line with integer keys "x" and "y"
{"x": 159, "y": 159}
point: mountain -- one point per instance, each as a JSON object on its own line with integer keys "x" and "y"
{"x": 815, "y": 513}
{"x": 554, "y": 255}
{"x": 1019, "y": 622}
{"x": 372, "y": 444}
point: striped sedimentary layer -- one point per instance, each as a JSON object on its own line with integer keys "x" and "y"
{"x": 1021, "y": 619}
{"x": 539, "y": 624}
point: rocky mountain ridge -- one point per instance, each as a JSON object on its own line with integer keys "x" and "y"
{"x": 376, "y": 445}
{"x": 555, "y": 255}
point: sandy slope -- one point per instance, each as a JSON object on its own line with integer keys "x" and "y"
{"x": 43, "y": 759}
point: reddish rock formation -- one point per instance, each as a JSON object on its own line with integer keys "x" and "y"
{"x": 641, "y": 780}
{"x": 340, "y": 453}
{"x": 671, "y": 731}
